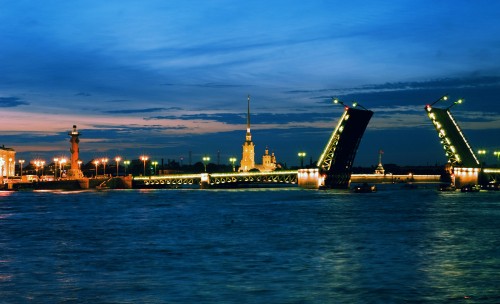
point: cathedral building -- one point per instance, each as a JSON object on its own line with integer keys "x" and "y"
{"x": 247, "y": 162}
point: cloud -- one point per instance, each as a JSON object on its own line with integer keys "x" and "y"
{"x": 11, "y": 102}
{"x": 131, "y": 111}
{"x": 85, "y": 94}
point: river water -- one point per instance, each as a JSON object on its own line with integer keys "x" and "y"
{"x": 285, "y": 245}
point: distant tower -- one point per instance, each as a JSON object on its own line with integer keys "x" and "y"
{"x": 380, "y": 168}
{"x": 248, "y": 158}
{"x": 75, "y": 171}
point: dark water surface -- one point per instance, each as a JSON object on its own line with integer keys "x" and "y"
{"x": 250, "y": 246}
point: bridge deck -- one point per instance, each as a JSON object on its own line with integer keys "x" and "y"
{"x": 457, "y": 149}
{"x": 218, "y": 179}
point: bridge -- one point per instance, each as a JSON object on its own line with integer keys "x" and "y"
{"x": 333, "y": 172}
{"x": 205, "y": 180}
{"x": 338, "y": 156}
{"x": 464, "y": 166}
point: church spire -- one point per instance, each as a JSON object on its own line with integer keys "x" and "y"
{"x": 249, "y": 136}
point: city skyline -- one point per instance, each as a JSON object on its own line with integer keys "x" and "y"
{"x": 163, "y": 79}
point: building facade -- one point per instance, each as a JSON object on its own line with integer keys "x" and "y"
{"x": 7, "y": 162}
{"x": 247, "y": 162}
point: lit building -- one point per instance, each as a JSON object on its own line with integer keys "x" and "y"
{"x": 380, "y": 168}
{"x": 247, "y": 162}
{"x": 7, "y": 162}
{"x": 74, "y": 172}
{"x": 268, "y": 162}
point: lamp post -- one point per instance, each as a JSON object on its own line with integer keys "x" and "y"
{"x": 62, "y": 164}
{"x": 79, "y": 162}
{"x": 481, "y": 153}
{"x": 96, "y": 163}
{"x": 301, "y": 156}
{"x": 144, "y": 158}
{"x": 117, "y": 160}
{"x": 36, "y": 169}
{"x": 497, "y": 154}
{"x": 206, "y": 159}
{"x": 104, "y": 161}
{"x": 42, "y": 164}
{"x": 445, "y": 97}
{"x": 232, "y": 160}
{"x": 21, "y": 163}
{"x": 126, "y": 163}
{"x": 56, "y": 161}
{"x": 455, "y": 103}
{"x": 155, "y": 163}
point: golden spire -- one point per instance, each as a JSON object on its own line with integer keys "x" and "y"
{"x": 249, "y": 136}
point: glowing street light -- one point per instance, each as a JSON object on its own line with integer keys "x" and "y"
{"x": 445, "y": 97}
{"x": 42, "y": 164}
{"x": 126, "y": 163}
{"x": 455, "y": 103}
{"x": 56, "y": 161}
{"x": 301, "y": 156}
{"x": 96, "y": 163}
{"x": 497, "y": 154}
{"x": 21, "y": 163}
{"x": 144, "y": 158}
{"x": 481, "y": 154}
{"x": 356, "y": 104}
{"x": 155, "y": 163}
{"x": 233, "y": 160}
{"x": 117, "y": 160}
{"x": 104, "y": 162}
{"x": 79, "y": 162}
{"x": 336, "y": 100}
{"x": 206, "y": 159}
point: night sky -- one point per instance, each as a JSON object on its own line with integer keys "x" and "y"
{"x": 163, "y": 78}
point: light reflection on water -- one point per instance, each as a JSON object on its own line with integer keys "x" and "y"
{"x": 250, "y": 246}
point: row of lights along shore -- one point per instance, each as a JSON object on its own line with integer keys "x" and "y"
{"x": 60, "y": 162}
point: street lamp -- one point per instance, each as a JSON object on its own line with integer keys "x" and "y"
{"x": 144, "y": 158}
{"x": 56, "y": 160}
{"x": 497, "y": 154}
{"x": 456, "y": 102}
{"x": 301, "y": 156}
{"x": 445, "y": 97}
{"x": 96, "y": 163}
{"x": 79, "y": 162}
{"x": 155, "y": 163}
{"x": 104, "y": 161}
{"x": 206, "y": 159}
{"x": 481, "y": 153}
{"x": 126, "y": 163}
{"x": 233, "y": 160}
{"x": 42, "y": 164}
{"x": 117, "y": 159}
{"x": 336, "y": 100}
{"x": 62, "y": 163}
{"x": 21, "y": 162}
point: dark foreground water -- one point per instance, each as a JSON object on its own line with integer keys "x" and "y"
{"x": 250, "y": 246}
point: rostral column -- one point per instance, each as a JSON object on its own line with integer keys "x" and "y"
{"x": 75, "y": 171}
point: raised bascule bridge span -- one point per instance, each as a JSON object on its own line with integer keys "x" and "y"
{"x": 464, "y": 167}
{"x": 333, "y": 171}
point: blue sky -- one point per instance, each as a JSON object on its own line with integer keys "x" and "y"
{"x": 163, "y": 78}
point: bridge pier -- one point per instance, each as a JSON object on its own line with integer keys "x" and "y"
{"x": 205, "y": 181}
{"x": 310, "y": 178}
{"x": 466, "y": 176}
